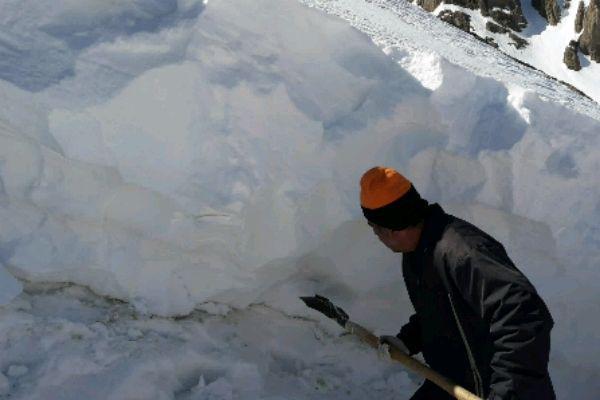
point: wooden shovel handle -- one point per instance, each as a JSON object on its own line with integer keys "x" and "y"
{"x": 414, "y": 365}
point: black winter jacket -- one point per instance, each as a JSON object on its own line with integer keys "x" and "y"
{"x": 478, "y": 320}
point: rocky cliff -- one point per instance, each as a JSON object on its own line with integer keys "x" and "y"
{"x": 589, "y": 41}
{"x": 579, "y": 17}
{"x": 571, "y": 58}
{"x": 548, "y": 9}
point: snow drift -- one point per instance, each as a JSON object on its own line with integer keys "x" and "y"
{"x": 211, "y": 154}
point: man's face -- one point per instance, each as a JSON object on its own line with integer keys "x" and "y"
{"x": 403, "y": 241}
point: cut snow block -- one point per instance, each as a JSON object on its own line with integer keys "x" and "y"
{"x": 10, "y": 287}
{"x": 4, "y": 385}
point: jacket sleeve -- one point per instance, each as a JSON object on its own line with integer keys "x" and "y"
{"x": 410, "y": 334}
{"x": 519, "y": 322}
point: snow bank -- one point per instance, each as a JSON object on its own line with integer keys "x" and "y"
{"x": 41, "y": 40}
{"x": 212, "y": 155}
{"x": 196, "y": 173}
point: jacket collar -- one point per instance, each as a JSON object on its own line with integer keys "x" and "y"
{"x": 434, "y": 225}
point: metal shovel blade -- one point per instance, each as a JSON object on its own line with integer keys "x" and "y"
{"x": 325, "y": 306}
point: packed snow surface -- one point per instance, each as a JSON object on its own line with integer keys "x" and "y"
{"x": 63, "y": 342}
{"x": 204, "y": 158}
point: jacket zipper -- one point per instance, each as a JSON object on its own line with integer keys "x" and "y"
{"x": 476, "y": 376}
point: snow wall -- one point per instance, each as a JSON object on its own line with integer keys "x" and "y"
{"x": 210, "y": 154}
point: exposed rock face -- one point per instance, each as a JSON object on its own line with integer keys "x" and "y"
{"x": 589, "y": 41}
{"x": 507, "y": 13}
{"x": 491, "y": 42}
{"x": 487, "y": 40}
{"x": 483, "y": 7}
{"x": 517, "y": 41}
{"x": 548, "y": 9}
{"x": 456, "y": 18}
{"x": 472, "y": 4}
{"x": 571, "y": 59}
{"x": 495, "y": 28}
{"x": 505, "y": 19}
{"x": 579, "y": 17}
{"x": 429, "y": 5}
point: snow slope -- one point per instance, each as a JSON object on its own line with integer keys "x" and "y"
{"x": 207, "y": 157}
{"x": 398, "y": 24}
{"x": 546, "y": 46}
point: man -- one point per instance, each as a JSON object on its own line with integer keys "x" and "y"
{"x": 478, "y": 320}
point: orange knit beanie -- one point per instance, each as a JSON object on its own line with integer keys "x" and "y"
{"x": 390, "y": 200}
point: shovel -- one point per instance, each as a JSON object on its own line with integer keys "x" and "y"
{"x": 325, "y": 306}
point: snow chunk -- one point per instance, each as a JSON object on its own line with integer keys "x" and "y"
{"x": 4, "y": 385}
{"x": 9, "y": 286}
{"x": 17, "y": 371}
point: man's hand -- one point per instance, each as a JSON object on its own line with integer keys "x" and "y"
{"x": 393, "y": 342}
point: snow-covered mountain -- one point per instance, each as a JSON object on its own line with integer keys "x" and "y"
{"x": 174, "y": 174}
{"x": 560, "y": 38}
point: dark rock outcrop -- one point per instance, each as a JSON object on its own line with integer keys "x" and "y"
{"x": 483, "y": 8}
{"x": 429, "y": 5}
{"x": 472, "y": 4}
{"x": 517, "y": 41}
{"x": 589, "y": 41}
{"x": 457, "y": 18}
{"x": 571, "y": 59}
{"x": 507, "y": 13}
{"x": 548, "y": 9}
{"x": 495, "y": 28}
{"x": 505, "y": 19}
{"x": 579, "y": 17}
{"x": 487, "y": 40}
{"x": 491, "y": 42}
